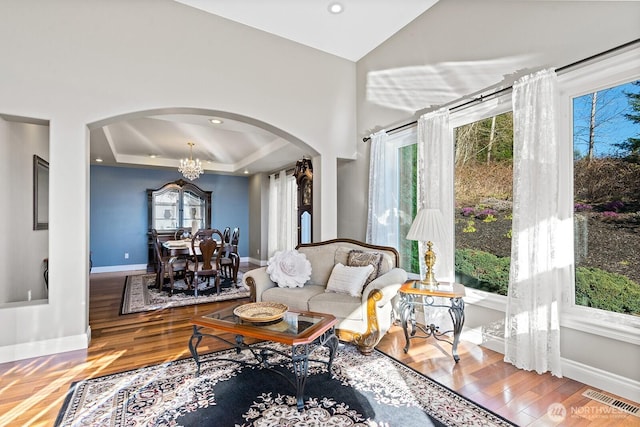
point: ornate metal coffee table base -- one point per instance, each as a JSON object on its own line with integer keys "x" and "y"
{"x": 306, "y": 334}
{"x": 299, "y": 357}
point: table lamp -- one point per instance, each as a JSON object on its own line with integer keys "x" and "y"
{"x": 427, "y": 226}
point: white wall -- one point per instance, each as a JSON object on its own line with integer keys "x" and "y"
{"x": 23, "y": 260}
{"x": 75, "y": 63}
{"x": 258, "y": 218}
{"x": 458, "y": 49}
{"x": 5, "y": 214}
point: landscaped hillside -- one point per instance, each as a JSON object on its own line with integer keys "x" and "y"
{"x": 607, "y": 228}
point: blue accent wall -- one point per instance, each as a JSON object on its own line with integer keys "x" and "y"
{"x": 118, "y": 210}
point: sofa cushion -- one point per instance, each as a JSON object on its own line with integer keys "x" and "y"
{"x": 348, "y": 280}
{"x": 342, "y": 255}
{"x": 388, "y": 263}
{"x": 289, "y": 269}
{"x": 340, "y": 305}
{"x": 322, "y": 260}
{"x": 358, "y": 258}
{"x": 294, "y": 298}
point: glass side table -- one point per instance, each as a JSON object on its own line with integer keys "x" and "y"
{"x": 414, "y": 294}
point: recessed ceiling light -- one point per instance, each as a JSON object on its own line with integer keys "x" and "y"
{"x": 336, "y": 8}
{"x": 246, "y": 172}
{"x": 153, "y": 156}
{"x": 216, "y": 121}
{"x": 98, "y": 160}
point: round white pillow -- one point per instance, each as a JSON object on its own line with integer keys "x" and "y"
{"x": 289, "y": 269}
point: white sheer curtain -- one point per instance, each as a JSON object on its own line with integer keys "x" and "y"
{"x": 542, "y": 227}
{"x": 382, "y": 221}
{"x": 435, "y": 185}
{"x": 283, "y": 204}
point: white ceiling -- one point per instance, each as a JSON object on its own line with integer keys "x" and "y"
{"x": 232, "y": 147}
{"x": 357, "y": 30}
{"x": 135, "y": 141}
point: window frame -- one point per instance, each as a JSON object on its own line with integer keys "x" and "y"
{"x": 615, "y": 69}
{"x": 396, "y": 141}
{"x": 488, "y": 108}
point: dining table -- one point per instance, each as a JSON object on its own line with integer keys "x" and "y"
{"x": 180, "y": 247}
{"x": 183, "y": 248}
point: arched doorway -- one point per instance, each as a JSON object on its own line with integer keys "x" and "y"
{"x": 149, "y": 142}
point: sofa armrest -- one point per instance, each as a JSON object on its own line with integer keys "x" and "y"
{"x": 258, "y": 281}
{"x": 388, "y": 285}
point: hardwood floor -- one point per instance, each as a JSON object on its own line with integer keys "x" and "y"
{"x": 33, "y": 390}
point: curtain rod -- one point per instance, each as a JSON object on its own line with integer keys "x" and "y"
{"x": 288, "y": 171}
{"x": 508, "y": 88}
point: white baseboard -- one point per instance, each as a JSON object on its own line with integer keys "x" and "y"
{"x": 476, "y": 336}
{"x": 252, "y": 260}
{"x": 114, "y": 268}
{"x": 31, "y": 349}
{"x": 594, "y": 377}
{"x": 616, "y": 384}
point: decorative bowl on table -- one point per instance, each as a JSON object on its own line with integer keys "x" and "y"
{"x": 259, "y": 312}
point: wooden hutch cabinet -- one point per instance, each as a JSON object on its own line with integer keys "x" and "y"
{"x": 176, "y": 205}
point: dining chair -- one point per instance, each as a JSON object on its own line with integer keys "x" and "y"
{"x": 226, "y": 261}
{"x": 173, "y": 265}
{"x": 178, "y": 266}
{"x": 160, "y": 258}
{"x": 179, "y": 234}
{"x": 231, "y": 258}
{"x": 235, "y": 236}
{"x": 209, "y": 244}
{"x": 230, "y": 262}
{"x": 226, "y": 235}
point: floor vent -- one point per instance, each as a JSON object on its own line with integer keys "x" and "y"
{"x": 613, "y": 402}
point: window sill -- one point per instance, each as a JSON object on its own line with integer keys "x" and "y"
{"x": 24, "y": 303}
{"x": 616, "y": 326}
{"x": 596, "y": 322}
{"x": 485, "y": 299}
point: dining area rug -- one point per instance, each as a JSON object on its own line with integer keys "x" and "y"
{"x": 361, "y": 390}
{"x": 140, "y": 294}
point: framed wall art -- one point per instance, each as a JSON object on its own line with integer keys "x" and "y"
{"x": 40, "y": 193}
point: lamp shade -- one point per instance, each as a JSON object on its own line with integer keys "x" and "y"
{"x": 428, "y": 225}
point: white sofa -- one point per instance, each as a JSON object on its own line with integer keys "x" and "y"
{"x": 361, "y": 320}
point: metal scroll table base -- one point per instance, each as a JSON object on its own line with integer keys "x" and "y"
{"x": 416, "y": 330}
{"x": 299, "y": 357}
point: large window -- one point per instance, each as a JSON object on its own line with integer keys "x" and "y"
{"x": 606, "y": 147}
{"x": 483, "y": 195}
{"x": 597, "y": 103}
{"x": 408, "y": 160}
{"x": 600, "y": 125}
{"x": 483, "y": 188}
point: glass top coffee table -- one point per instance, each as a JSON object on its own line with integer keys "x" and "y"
{"x": 304, "y": 332}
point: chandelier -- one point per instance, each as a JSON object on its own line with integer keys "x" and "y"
{"x": 191, "y": 169}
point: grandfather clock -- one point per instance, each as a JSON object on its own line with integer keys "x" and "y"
{"x": 304, "y": 178}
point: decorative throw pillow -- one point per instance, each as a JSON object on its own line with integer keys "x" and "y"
{"x": 348, "y": 280}
{"x": 358, "y": 258}
{"x": 289, "y": 269}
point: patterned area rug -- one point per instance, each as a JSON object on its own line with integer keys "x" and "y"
{"x": 362, "y": 391}
{"x": 140, "y": 294}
